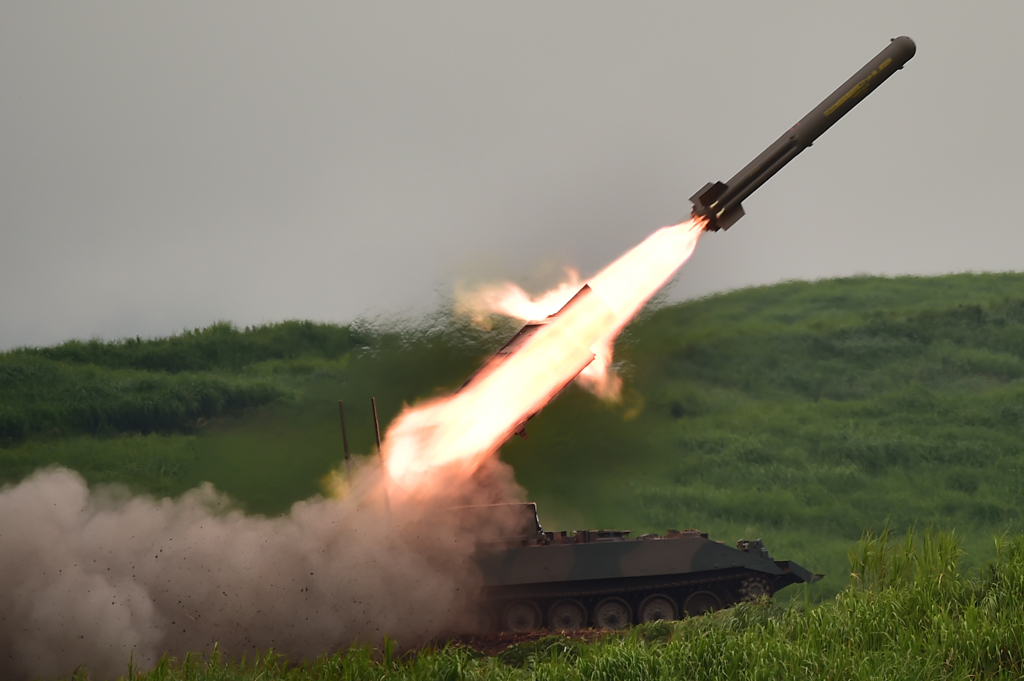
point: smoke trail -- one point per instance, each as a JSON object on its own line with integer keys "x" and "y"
{"x": 92, "y": 577}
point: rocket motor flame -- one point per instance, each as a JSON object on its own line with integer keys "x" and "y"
{"x": 430, "y": 446}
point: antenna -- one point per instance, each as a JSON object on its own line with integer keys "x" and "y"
{"x": 380, "y": 453}
{"x": 344, "y": 439}
{"x": 376, "y": 426}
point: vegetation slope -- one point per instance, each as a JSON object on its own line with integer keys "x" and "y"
{"x": 802, "y": 413}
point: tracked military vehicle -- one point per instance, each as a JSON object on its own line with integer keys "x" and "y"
{"x": 566, "y": 581}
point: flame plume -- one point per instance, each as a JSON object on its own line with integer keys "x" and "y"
{"x": 429, "y": 447}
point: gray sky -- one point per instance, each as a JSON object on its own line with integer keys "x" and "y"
{"x": 163, "y": 166}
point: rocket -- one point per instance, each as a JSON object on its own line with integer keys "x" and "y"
{"x": 464, "y": 428}
{"x": 719, "y": 202}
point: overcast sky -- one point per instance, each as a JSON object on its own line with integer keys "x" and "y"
{"x": 163, "y": 166}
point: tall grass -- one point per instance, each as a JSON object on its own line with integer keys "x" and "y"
{"x": 167, "y": 384}
{"x": 220, "y": 346}
{"x": 161, "y": 384}
{"x": 43, "y": 396}
{"x": 155, "y": 464}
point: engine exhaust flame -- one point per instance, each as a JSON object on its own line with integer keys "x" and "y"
{"x": 430, "y": 446}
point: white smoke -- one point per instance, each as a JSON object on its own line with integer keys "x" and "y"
{"x": 95, "y": 577}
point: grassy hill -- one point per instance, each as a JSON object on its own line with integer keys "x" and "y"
{"x": 803, "y": 413}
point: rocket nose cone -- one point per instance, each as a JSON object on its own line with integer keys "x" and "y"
{"x": 908, "y": 47}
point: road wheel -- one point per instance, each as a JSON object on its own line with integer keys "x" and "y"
{"x": 700, "y": 602}
{"x": 613, "y": 613}
{"x": 657, "y": 607}
{"x": 567, "y": 615}
{"x": 753, "y": 588}
{"x": 521, "y": 616}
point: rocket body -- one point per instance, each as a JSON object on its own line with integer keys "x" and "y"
{"x": 719, "y": 202}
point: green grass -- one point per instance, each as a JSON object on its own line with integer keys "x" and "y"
{"x": 220, "y": 346}
{"x": 40, "y": 396}
{"x": 152, "y": 463}
{"x": 159, "y": 385}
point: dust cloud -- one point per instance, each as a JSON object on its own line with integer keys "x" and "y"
{"x": 96, "y": 577}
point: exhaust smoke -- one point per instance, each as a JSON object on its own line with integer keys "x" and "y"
{"x": 95, "y": 578}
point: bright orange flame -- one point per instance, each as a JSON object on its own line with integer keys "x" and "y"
{"x": 432, "y": 445}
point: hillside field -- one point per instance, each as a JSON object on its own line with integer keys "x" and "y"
{"x": 802, "y": 413}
